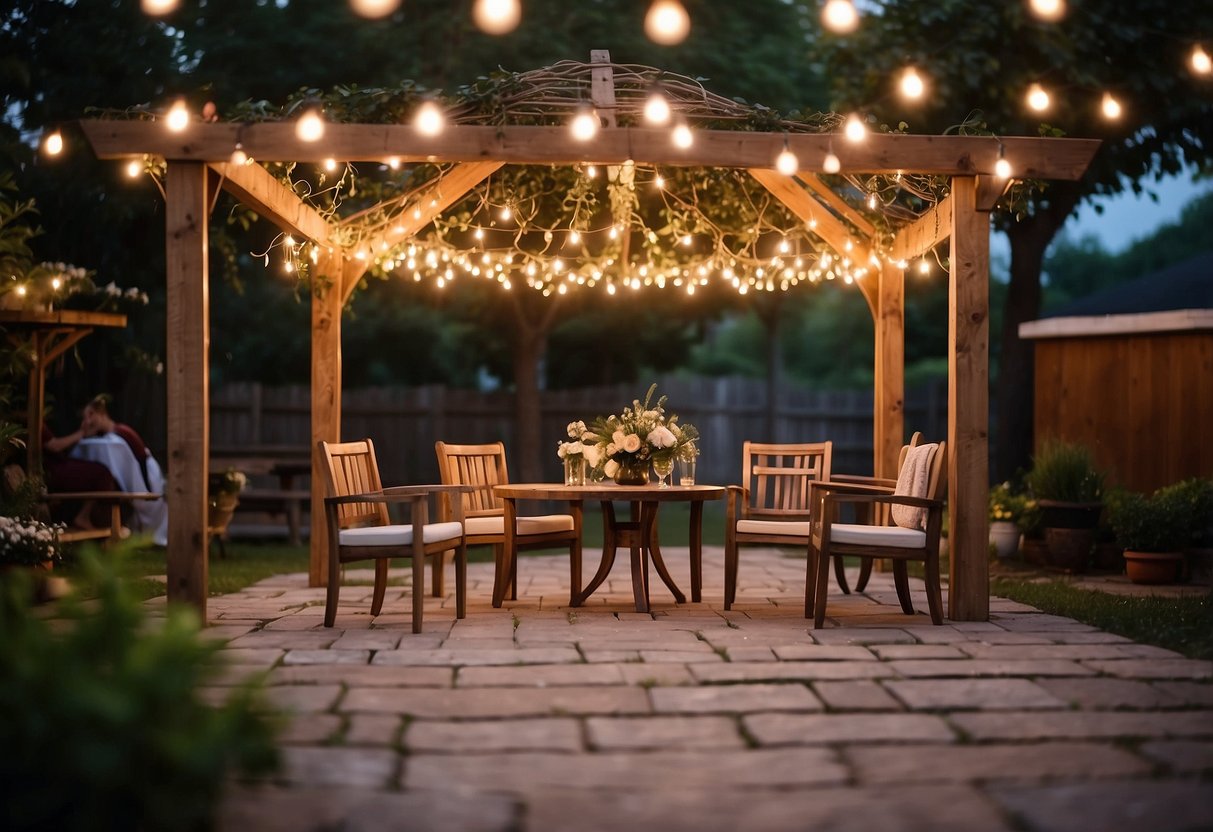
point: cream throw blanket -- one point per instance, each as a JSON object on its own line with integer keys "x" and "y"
{"x": 912, "y": 481}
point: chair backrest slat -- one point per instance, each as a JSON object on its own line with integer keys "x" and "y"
{"x": 778, "y": 476}
{"x": 351, "y": 468}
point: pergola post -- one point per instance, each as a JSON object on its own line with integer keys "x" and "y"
{"x": 327, "y": 300}
{"x": 888, "y": 404}
{"x": 968, "y": 404}
{"x": 187, "y": 367}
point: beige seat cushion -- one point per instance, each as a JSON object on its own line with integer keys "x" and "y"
{"x": 786, "y": 528}
{"x": 886, "y": 536}
{"x": 527, "y": 525}
{"x": 398, "y": 535}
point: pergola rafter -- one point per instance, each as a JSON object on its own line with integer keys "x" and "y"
{"x": 197, "y": 161}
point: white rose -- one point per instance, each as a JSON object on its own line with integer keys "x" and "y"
{"x": 588, "y": 436}
{"x": 617, "y": 438}
{"x": 631, "y": 443}
{"x": 592, "y": 455}
{"x": 661, "y": 437}
{"x": 611, "y": 468}
{"x": 612, "y": 449}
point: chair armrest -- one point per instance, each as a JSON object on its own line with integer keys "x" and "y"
{"x": 833, "y": 486}
{"x": 738, "y": 502}
{"x": 861, "y": 479}
{"x": 891, "y": 499}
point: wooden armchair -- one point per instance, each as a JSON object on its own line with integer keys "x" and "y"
{"x": 772, "y": 506}
{"x": 481, "y": 467}
{"x": 359, "y": 528}
{"x": 905, "y": 525}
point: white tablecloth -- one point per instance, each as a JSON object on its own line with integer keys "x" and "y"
{"x": 112, "y": 451}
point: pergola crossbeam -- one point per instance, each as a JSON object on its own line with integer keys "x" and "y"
{"x": 256, "y": 188}
{"x": 827, "y": 195}
{"x": 926, "y": 232}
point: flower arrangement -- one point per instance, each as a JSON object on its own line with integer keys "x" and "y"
{"x": 29, "y": 542}
{"x": 638, "y": 436}
{"x": 232, "y": 482}
{"x": 1009, "y": 505}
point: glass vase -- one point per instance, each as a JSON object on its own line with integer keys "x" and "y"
{"x": 574, "y": 470}
{"x": 632, "y": 472}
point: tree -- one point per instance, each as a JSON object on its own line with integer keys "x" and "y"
{"x": 979, "y": 59}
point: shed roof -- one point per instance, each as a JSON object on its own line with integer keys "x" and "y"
{"x": 1186, "y": 285}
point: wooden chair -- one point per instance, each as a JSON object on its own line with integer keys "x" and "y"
{"x": 869, "y": 514}
{"x": 359, "y": 528}
{"x": 482, "y": 467}
{"x": 771, "y": 506}
{"x": 891, "y": 534}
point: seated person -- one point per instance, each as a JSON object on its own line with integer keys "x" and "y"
{"x": 65, "y": 474}
{"x": 145, "y": 475}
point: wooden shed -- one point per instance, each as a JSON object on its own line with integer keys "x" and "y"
{"x": 1136, "y": 387}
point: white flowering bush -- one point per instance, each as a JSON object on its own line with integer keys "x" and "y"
{"x": 638, "y": 435}
{"x": 29, "y": 542}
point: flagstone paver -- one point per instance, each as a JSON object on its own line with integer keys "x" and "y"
{"x": 538, "y": 717}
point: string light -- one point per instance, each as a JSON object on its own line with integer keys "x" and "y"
{"x": 830, "y": 164}
{"x": 912, "y": 85}
{"x": 429, "y": 120}
{"x": 1002, "y": 168}
{"x": 497, "y": 17}
{"x": 591, "y": 172}
{"x": 1051, "y": 10}
{"x": 158, "y": 7}
{"x": 374, "y": 9}
{"x": 238, "y": 158}
{"x": 133, "y": 168}
{"x": 178, "y": 117}
{"x": 585, "y": 124}
{"x": 330, "y": 165}
{"x": 310, "y": 126}
{"x": 855, "y": 131}
{"x": 924, "y": 266}
{"x": 1202, "y": 64}
{"x": 786, "y": 162}
{"x": 1037, "y": 98}
{"x": 682, "y": 137}
{"x": 656, "y": 108}
{"x": 393, "y": 162}
{"x": 1110, "y": 106}
{"x": 840, "y": 16}
{"x": 667, "y": 22}
{"x": 53, "y": 143}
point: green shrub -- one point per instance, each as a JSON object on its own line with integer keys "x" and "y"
{"x": 104, "y": 726}
{"x": 1150, "y": 524}
{"x": 1194, "y": 498}
{"x": 1066, "y": 472}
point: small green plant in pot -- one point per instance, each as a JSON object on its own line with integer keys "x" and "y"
{"x": 1008, "y": 508}
{"x": 1153, "y": 531}
{"x": 1069, "y": 492}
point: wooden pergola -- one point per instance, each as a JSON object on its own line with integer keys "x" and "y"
{"x": 198, "y": 166}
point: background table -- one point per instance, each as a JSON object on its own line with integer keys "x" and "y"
{"x": 638, "y": 533}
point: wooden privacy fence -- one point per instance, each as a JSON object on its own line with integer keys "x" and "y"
{"x": 405, "y": 422}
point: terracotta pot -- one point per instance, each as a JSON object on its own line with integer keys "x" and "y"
{"x": 1153, "y": 567}
{"x": 1069, "y": 549}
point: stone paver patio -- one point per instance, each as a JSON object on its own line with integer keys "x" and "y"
{"x": 541, "y": 717}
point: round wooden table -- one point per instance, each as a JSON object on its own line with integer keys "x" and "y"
{"x": 638, "y": 533}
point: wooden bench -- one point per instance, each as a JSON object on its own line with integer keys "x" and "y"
{"x": 114, "y": 499}
{"x": 286, "y": 463}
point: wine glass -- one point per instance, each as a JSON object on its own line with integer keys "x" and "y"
{"x": 662, "y": 466}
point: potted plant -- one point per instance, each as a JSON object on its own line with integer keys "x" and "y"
{"x": 225, "y": 496}
{"x": 1153, "y": 531}
{"x": 1069, "y": 493}
{"x": 1007, "y": 509}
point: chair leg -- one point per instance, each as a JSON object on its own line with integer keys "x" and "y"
{"x": 865, "y": 572}
{"x": 381, "y": 565}
{"x": 934, "y": 596}
{"x": 461, "y": 581}
{"x": 499, "y": 575}
{"x": 730, "y": 573}
{"x": 334, "y": 588}
{"x": 438, "y": 584}
{"x": 810, "y": 581}
{"x": 514, "y": 578}
{"x": 418, "y": 590}
{"x": 902, "y": 581}
{"x": 840, "y": 575}
{"x": 823, "y": 585}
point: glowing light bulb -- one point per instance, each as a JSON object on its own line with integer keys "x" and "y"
{"x": 1038, "y": 99}
{"x": 659, "y": 182}
{"x": 238, "y": 158}
{"x": 158, "y": 7}
{"x": 497, "y": 17}
{"x": 310, "y": 126}
{"x": 22, "y": 291}
{"x": 656, "y": 108}
{"x": 591, "y": 172}
{"x": 429, "y": 120}
{"x": 667, "y": 22}
{"x": 786, "y": 162}
{"x": 133, "y": 168}
{"x": 178, "y": 117}
{"x": 584, "y": 125}
{"x": 854, "y": 130}
{"x": 682, "y": 137}
{"x": 56, "y": 283}
{"x": 840, "y": 16}
{"x": 505, "y": 213}
{"x": 1002, "y": 169}
{"x": 330, "y": 165}
{"x": 574, "y": 237}
{"x": 374, "y": 9}
{"x": 393, "y": 162}
{"x": 831, "y": 163}
{"x": 686, "y": 239}
{"x": 1202, "y": 64}
{"x": 924, "y": 266}
{"x": 53, "y": 143}
{"x": 912, "y": 85}
{"x": 1048, "y": 9}
{"x": 872, "y": 201}
{"x": 1111, "y": 107}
